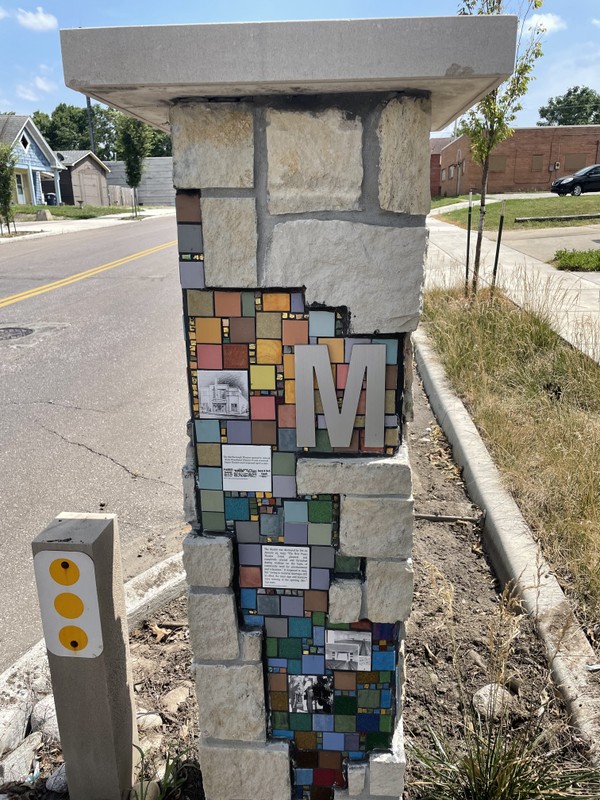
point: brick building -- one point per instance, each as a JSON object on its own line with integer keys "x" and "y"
{"x": 436, "y": 145}
{"x": 528, "y": 161}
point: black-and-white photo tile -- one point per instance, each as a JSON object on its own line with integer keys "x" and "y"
{"x": 223, "y": 394}
{"x": 310, "y": 694}
{"x": 349, "y": 650}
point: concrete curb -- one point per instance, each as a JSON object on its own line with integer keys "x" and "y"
{"x": 515, "y": 555}
{"x": 144, "y": 595}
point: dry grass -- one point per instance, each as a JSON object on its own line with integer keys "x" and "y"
{"x": 536, "y": 401}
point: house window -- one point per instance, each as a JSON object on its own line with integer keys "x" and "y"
{"x": 450, "y": 172}
{"x": 497, "y": 163}
{"x": 25, "y": 142}
{"x": 443, "y": 175}
{"x": 537, "y": 163}
{"x": 574, "y": 161}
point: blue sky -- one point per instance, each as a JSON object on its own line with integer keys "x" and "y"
{"x": 32, "y": 68}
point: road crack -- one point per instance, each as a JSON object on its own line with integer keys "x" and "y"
{"x": 52, "y": 403}
{"x": 130, "y": 472}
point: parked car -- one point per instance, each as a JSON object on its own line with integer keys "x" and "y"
{"x": 584, "y": 180}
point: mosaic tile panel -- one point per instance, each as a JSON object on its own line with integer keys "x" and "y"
{"x": 330, "y": 687}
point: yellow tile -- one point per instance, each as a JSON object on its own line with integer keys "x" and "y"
{"x": 289, "y": 366}
{"x": 290, "y": 391}
{"x": 390, "y": 401}
{"x": 391, "y": 436}
{"x": 336, "y": 349}
{"x": 318, "y": 403}
{"x": 209, "y": 455}
{"x": 262, "y": 377}
{"x": 268, "y": 351}
{"x": 276, "y": 302}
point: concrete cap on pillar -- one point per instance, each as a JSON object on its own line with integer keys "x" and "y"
{"x": 143, "y": 70}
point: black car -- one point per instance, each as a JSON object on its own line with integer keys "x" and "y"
{"x": 584, "y": 180}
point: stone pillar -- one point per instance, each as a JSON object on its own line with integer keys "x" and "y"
{"x": 301, "y": 221}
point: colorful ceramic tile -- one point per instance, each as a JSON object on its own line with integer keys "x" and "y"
{"x": 262, "y": 377}
{"x": 208, "y": 330}
{"x": 199, "y": 303}
{"x": 242, "y": 329}
{"x": 321, "y": 323}
{"x": 210, "y": 356}
{"x": 276, "y": 302}
{"x": 207, "y": 430}
{"x": 235, "y": 356}
{"x": 228, "y": 304}
{"x": 262, "y": 408}
{"x": 268, "y": 325}
{"x": 335, "y": 348}
{"x": 295, "y": 331}
{"x": 268, "y": 351}
{"x": 210, "y": 478}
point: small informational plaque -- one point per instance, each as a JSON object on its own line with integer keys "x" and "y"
{"x": 246, "y": 468}
{"x": 286, "y": 567}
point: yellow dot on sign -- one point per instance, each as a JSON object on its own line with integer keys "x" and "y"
{"x": 64, "y": 571}
{"x": 73, "y": 638}
{"x": 68, "y": 605}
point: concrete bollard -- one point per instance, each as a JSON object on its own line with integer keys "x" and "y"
{"x": 78, "y": 574}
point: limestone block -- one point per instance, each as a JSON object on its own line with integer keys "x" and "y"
{"x": 389, "y": 590}
{"x": 363, "y": 476}
{"x": 357, "y": 774}
{"x": 213, "y": 146}
{"x": 208, "y": 560}
{"x": 376, "y": 527}
{"x": 245, "y": 772}
{"x": 213, "y": 625}
{"x": 14, "y": 717}
{"x": 231, "y": 701}
{"x": 376, "y": 271}
{"x": 386, "y": 770}
{"x": 345, "y": 598}
{"x": 188, "y": 477}
{"x": 18, "y": 765}
{"x": 229, "y": 227}
{"x": 404, "y": 156}
{"x": 314, "y": 161}
{"x": 251, "y": 645}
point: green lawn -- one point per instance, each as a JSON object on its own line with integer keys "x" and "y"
{"x": 436, "y": 202}
{"x": 534, "y": 207}
{"x": 578, "y": 260}
{"x": 72, "y": 212}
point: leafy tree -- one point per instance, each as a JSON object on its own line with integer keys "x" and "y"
{"x": 579, "y": 105}
{"x": 160, "y": 143}
{"x": 488, "y": 123}
{"x": 134, "y": 144}
{"x": 8, "y": 159}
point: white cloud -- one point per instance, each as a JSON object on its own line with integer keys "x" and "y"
{"x": 551, "y": 23}
{"x": 43, "y": 84}
{"x": 37, "y": 20}
{"x": 596, "y": 22}
{"x": 26, "y": 92}
{"x": 3, "y": 13}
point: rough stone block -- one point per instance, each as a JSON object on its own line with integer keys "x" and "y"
{"x": 213, "y": 146}
{"x": 251, "y": 645}
{"x": 404, "y": 156}
{"x": 382, "y": 269}
{"x": 208, "y": 560}
{"x": 231, "y": 701}
{"x": 364, "y": 476}
{"x": 213, "y": 625}
{"x": 245, "y": 772}
{"x": 314, "y": 161}
{"x": 357, "y": 774}
{"x": 188, "y": 477}
{"x": 229, "y": 227}
{"x": 386, "y": 770}
{"x": 345, "y": 599}
{"x": 389, "y": 590}
{"x": 373, "y": 527}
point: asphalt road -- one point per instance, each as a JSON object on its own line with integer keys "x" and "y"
{"x": 93, "y": 402}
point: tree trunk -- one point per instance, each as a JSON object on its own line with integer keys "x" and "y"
{"x": 484, "y": 180}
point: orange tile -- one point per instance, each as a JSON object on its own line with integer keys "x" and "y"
{"x": 268, "y": 351}
{"x": 344, "y": 681}
{"x": 336, "y": 349}
{"x": 289, "y": 366}
{"x": 277, "y": 682}
{"x": 295, "y": 331}
{"x": 228, "y": 304}
{"x": 276, "y": 302}
{"x": 287, "y": 416}
{"x": 315, "y": 600}
{"x": 208, "y": 330}
{"x": 290, "y": 392}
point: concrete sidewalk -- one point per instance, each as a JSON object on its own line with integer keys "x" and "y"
{"x": 37, "y": 230}
{"x": 570, "y": 300}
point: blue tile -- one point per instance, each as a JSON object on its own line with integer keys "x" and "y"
{"x": 321, "y": 323}
{"x": 294, "y": 666}
{"x": 295, "y": 533}
{"x": 287, "y": 440}
{"x": 319, "y": 579}
{"x": 271, "y": 524}
{"x": 386, "y": 698}
{"x": 297, "y": 306}
{"x": 282, "y": 734}
{"x": 322, "y": 722}
{"x": 254, "y": 620}
{"x": 210, "y": 478}
{"x": 250, "y": 555}
{"x": 391, "y": 356}
{"x": 237, "y": 508}
{"x": 319, "y": 639}
{"x": 248, "y": 598}
{"x": 385, "y": 660}
{"x": 239, "y": 432}
{"x": 333, "y": 741}
{"x": 300, "y": 628}
{"x": 277, "y": 662}
{"x": 207, "y": 430}
{"x": 295, "y": 511}
{"x": 313, "y": 665}
{"x": 303, "y": 776}
{"x": 367, "y": 722}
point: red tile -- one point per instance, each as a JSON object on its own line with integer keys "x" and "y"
{"x": 262, "y": 408}
{"x": 228, "y": 304}
{"x": 210, "y": 356}
{"x": 250, "y": 577}
{"x": 235, "y": 356}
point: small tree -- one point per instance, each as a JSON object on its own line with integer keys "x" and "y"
{"x": 488, "y": 123}
{"x": 579, "y": 105}
{"x": 8, "y": 159}
{"x": 133, "y": 145}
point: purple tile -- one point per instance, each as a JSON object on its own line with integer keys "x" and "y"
{"x": 284, "y": 486}
{"x": 297, "y": 306}
{"x": 322, "y": 722}
{"x": 319, "y": 579}
{"x": 349, "y": 344}
{"x": 333, "y": 741}
{"x": 295, "y": 533}
{"x": 321, "y": 423}
{"x": 250, "y": 555}
{"x": 191, "y": 274}
{"x": 292, "y": 606}
{"x": 239, "y": 431}
{"x": 352, "y": 741}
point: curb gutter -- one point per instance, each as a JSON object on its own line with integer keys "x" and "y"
{"x": 515, "y": 555}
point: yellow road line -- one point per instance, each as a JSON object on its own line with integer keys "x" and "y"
{"x": 79, "y": 276}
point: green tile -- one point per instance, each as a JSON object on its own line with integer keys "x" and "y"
{"x": 248, "y": 308}
{"x": 280, "y": 720}
{"x": 345, "y": 705}
{"x": 322, "y": 442}
{"x": 294, "y": 666}
{"x": 300, "y": 722}
{"x": 338, "y": 626}
{"x": 385, "y": 677}
{"x": 199, "y": 304}
{"x": 284, "y": 464}
{"x": 344, "y": 723}
{"x": 347, "y": 565}
{"x": 212, "y": 521}
{"x": 369, "y": 698}
{"x": 377, "y": 741}
{"x": 212, "y": 500}
{"x": 385, "y": 723}
{"x": 318, "y": 618}
{"x": 290, "y": 648}
{"x": 320, "y": 511}
{"x": 271, "y": 647}
{"x": 319, "y": 533}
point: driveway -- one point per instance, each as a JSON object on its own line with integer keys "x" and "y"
{"x": 542, "y": 243}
